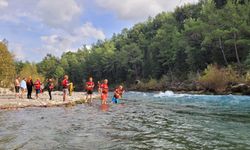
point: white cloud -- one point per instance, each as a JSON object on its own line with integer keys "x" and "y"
{"x": 53, "y": 13}
{"x": 137, "y": 10}
{"x": 58, "y": 43}
{"x": 3, "y": 3}
{"x": 88, "y": 31}
{"x": 57, "y": 12}
{"x": 17, "y": 50}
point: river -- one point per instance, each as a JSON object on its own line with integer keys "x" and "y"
{"x": 141, "y": 121}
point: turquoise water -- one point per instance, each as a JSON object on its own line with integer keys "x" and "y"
{"x": 142, "y": 121}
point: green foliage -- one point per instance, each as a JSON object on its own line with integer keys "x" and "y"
{"x": 176, "y": 46}
{"x": 30, "y": 70}
{"x": 7, "y": 67}
{"x": 217, "y": 79}
{"x": 151, "y": 84}
{"x": 247, "y": 78}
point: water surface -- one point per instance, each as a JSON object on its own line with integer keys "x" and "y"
{"x": 143, "y": 121}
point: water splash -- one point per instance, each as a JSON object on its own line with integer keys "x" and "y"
{"x": 170, "y": 94}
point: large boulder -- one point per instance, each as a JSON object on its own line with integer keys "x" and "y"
{"x": 241, "y": 88}
{"x": 137, "y": 82}
{"x": 5, "y": 91}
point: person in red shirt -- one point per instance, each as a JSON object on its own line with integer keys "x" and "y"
{"x": 37, "y": 85}
{"x": 104, "y": 91}
{"x": 89, "y": 88}
{"x": 65, "y": 84}
{"x": 118, "y": 94}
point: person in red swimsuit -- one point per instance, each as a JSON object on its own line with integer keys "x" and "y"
{"x": 104, "y": 91}
{"x": 90, "y": 88}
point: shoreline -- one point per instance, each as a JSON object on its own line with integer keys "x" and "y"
{"x": 9, "y": 102}
{"x": 201, "y": 92}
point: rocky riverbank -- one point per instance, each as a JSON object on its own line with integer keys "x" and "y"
{"x": 192, "y": 88}
{"x": 8, "y": 100}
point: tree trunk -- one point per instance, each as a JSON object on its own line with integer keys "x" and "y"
{"x": 136, "y": 72}
{"x": 223, "y": 52}
{"x": 171, "y": 74}
{"x": 236, "y": 49}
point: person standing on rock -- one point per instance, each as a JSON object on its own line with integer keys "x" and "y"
{"x": 23, "y": 87}
{"x": 50, "y": 87}
{"x": 71, "y": 88}
{"x": 17, "y": 87}
{"x": 37, "y": 85}
{"x": 30, "y": 85}
{"x": 89, "y": 88}
{"x": 65, "y": 85}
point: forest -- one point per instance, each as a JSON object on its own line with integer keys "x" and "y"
{"x": 206, "y": 44}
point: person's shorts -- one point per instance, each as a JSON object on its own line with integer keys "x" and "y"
{"x": 38, "y": 91}
{"x": 115, "y": 100}
{"x": 23, "y": 89}
{"x": 104, "y": 96}
{"x": 89, "y": 92}
{"x": 65, "y": 91}
{"x": 17, "y": 88}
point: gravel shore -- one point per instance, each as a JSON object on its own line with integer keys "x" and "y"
{"x": 8, "y": 100}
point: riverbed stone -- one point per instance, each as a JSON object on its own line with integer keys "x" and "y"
{"x": 8, "y": 101}
{"x": 241, "y": 88}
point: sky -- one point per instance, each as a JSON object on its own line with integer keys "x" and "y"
{"x": 34, "y": 28}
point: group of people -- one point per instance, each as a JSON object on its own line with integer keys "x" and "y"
{"x": 103, "y": 89}
{"x": 27, "y": 84}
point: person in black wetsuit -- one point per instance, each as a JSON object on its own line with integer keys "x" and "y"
{"x": 30, "y": 85}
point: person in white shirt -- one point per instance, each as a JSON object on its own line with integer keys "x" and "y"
{"x": 23, "y": 87}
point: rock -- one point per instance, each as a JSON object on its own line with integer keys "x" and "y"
{"x": 137, "y": 82}
{"x": 5, "y": 91}
{"x": 240, "y": 88}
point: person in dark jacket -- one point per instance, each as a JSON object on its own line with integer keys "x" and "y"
{"x": 50, "y": 87}
{"x": 30, "y": 85}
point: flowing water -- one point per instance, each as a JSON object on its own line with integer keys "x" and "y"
{"x": 142, "y": 121}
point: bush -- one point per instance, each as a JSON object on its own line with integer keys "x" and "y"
{"x": 151, "y": 84}
{"x": 247, "y": 78}
{"x": 30, "y": 70}
{"x": 217, "y": 79}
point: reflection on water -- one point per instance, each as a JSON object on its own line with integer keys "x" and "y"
{"x": 143, "y": 121}
{"x": 104, "y": 107}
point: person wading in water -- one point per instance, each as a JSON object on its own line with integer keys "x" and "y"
{"x": 89, "y": 88}
{"x": 118, "y": 94}
{"x": 104, "y": 91}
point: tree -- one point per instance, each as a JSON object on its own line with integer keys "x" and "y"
{"x": 30, "y": 70}
{"x": 48, "y": 66}
{"x": 198, "y": 57}
{"x": 7, "y": 66}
